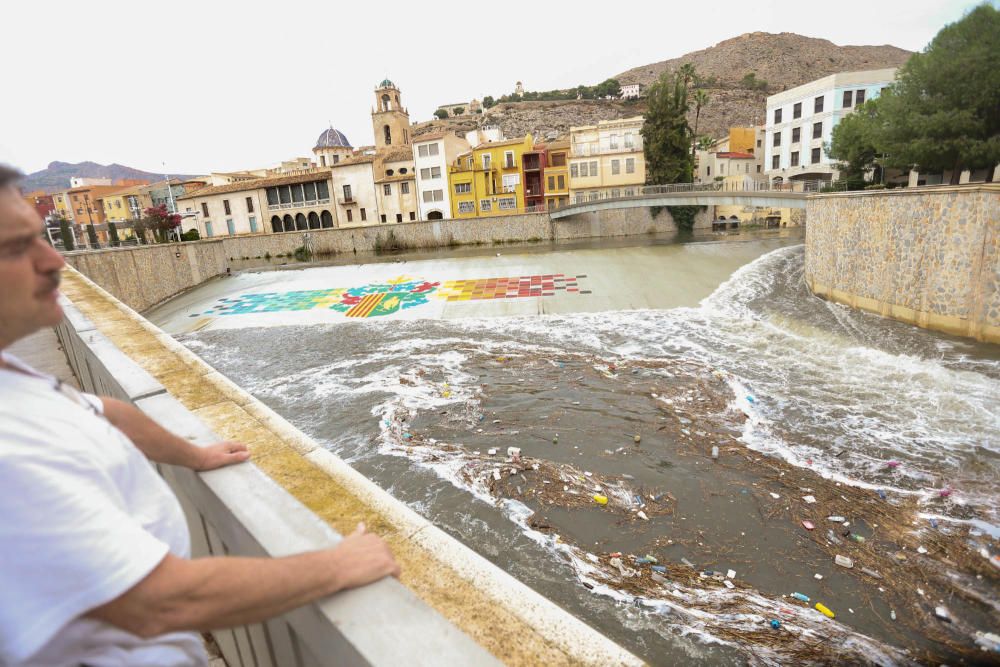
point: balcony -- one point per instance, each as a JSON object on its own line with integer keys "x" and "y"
{"x": 297, "y": 204}
{"x": 347, "y": 200}
{"x": 586, "y": 150}
{"x": 510, "y": 164}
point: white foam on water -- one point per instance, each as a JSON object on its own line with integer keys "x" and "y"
{"x": 674, "y": 619}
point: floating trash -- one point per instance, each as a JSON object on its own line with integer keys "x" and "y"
{"x": 823, "y": 609}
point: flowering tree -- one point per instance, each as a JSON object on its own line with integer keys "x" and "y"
{"x": 160, "y": 220}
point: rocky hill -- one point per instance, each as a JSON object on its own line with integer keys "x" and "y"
{"x": 56, "y": 176}
{"x": 784, "y": 61}
{"x": 777, "y": 62}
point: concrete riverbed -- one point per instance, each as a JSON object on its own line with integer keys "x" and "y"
{"x": 415, "y": 368}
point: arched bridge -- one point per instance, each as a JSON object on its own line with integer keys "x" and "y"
{"x": 765, "y": 195}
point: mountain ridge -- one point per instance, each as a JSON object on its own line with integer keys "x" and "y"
{"x": 56, "y": 175}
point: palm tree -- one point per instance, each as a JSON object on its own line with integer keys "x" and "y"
{"x": 705, "y": 142}
{"x": 700, "y": 100}
{"x": 687, "y": 71}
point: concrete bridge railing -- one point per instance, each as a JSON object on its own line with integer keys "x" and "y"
{"x": 264, "y": 508}
{"x": 764, "y": 194}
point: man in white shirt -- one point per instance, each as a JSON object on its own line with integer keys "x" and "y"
{"x": 94, "y": 550}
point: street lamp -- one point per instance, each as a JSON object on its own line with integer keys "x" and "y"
{"x": 170, "y": 197}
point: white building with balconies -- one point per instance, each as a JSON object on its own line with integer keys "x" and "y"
{"x": 432, "y": 153}
{"x": 298, "y": 202}
{"x": 800, "y": 122}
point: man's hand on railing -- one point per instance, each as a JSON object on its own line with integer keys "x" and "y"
{"x": 162, "y": 446}
{"x": 221, "y": 454}
{"x": 360, "y": 559}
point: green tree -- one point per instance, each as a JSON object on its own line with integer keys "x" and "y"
{"x": 943, "y": 112}
{"x": 441, "y": 113}
{"x": 666, "y": 134}
{"x": 458, "y": 111}
{"x": 688, "y": 73}
{"x": 66, "y": 233}
{"x": 488, "y": 102}
{"x": 751, "y": 82}
{"x": 705, "y": 142}
{"x": 853, "y": 144}
{"x": 700, "y": 100}
{"x": 608, "y": 87}
{"x": 113, "y": 235}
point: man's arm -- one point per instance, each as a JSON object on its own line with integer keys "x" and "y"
{"x": 162, "y": 446}
{"x": 211, "y": 593}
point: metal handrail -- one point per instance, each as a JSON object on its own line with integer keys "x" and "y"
{"x": 747, "y": 186}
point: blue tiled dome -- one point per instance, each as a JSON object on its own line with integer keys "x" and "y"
{"x": 386, "y": 84}
{"x": 332, "y": 139}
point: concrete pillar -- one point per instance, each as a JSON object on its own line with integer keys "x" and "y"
{"x": 964, "y": 177}
{"x": 914, "y": 179}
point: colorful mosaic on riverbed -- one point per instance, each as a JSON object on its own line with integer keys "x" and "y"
{"x": 385, "y": 298}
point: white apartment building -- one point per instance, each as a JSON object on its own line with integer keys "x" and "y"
{"x": 632, "y": 91}
{"x": 801, "y": 120}
{"x": 432, "y": 153}
{"x": 81, "y": 181}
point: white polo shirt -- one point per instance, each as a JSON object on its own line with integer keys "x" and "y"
{"x": 84, "y": 517}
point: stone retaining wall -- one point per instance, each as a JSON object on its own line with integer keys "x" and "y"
{"x": 144, "y": 276}
{"x": 928, "y": 256}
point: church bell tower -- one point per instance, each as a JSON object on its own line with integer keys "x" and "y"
{"x": 390, "y": 120}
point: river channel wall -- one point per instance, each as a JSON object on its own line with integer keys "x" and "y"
{"x": 142, "y": 276}
{"x": 927, "y": 256}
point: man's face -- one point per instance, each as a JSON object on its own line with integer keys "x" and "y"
{"x": 29, "y": 271}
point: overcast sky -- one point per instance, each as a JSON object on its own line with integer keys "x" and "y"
{"x": 215, "y": 86}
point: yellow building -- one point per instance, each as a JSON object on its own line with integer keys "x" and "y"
{"x": 124, "y": 205}
{"x": 489, "y": 179}
{"x": 743, "y": 140}
{"x": 61, "y": 205}
{"x": 557, "y": 174}
{"x": 606, "y": 160}
{"x": 115, "y": 205}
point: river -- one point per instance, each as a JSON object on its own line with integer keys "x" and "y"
{"x": 615, "y": 368}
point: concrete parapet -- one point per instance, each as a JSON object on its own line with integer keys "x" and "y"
{"x": 450, "y": 607}
{"x": 929, "y": 256}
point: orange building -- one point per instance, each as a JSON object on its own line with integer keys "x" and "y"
{"x": 87, "y": 205}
